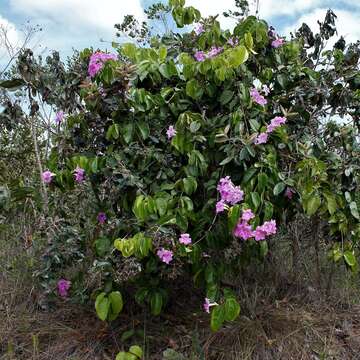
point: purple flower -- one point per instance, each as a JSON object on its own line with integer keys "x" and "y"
{"x": 233, "y": 41}
{"x": 165, "y": 256}
{"x": 262, "y": 138}
{"x": 101, "y": 218}
{"x": 59, "y": 116}
{"x": 259, "y": 234}
{"x": 63, "y": 287}
{"x": 47, "y": 176}
{"x": 269, "y": 227}
{"x": 185, "y": 239}
{"x": 247, "y": 215}
{"x": 289, "y": 193}
{"x": 256, "y": 97}
{"x": 277, "y": 43}
{"x": 214, "y": 51}
{"x": 229, "y": 192}
{"x": 170, "y": 132}
{"x": 200, "y": 56}
{"x": 243, "y": 230}
{"x": 207, "y": 304}
{"x": 220, "y": 206}
{"x": 199, "y": 28}
{"x": 97, "y": 61}
{"x": 266, "y": 90}
{"x": 79, "y": 174}
{"x": 275, "y": 122}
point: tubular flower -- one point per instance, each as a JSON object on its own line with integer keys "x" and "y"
{"x": 165, "y": 256}
{"x": 97, "y": 61}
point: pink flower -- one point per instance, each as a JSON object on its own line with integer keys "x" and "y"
{"x": 199, "y": 28}
{"x": 214, "y": 51}
{"x": 247, "y": 215}
{"x": 262, "y": 138}
{"x": 185, "y": 239}
{"x": 233, "y": 41}
{"x": 207, "y": 304}
{"x": 275, "y": 123}
{"x": 101, "y": 218}
{"x": 229, "y": 192}
{"x": 47, "y": 176}
{"x": 200, "y": 56}
{"x": 220, "y": 206}
{"x": 170, "y": 132}
{"x": 256, "y": 97}
{"x": 97, "y": 61}
{"x": 289, "y": 193}
{"x": 243, "y": 230}
{"x": 63, "y": 287}
{"x": 165, "y": 256}
{"x": 277, "y": 42}
{"x": 59, "y": 117}
{"x": 79, "y": 174}
{"x": 269, "y": 227}
{"x": 259, "y": 234}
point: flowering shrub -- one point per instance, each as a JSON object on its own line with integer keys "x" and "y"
{"x": 172, "y": 142}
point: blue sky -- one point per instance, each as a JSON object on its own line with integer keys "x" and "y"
{"x": 77, "y": 24}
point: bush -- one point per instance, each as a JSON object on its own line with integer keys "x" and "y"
{"x": 187, "y": 155}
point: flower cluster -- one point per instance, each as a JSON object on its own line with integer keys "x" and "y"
{"x": 185, "y": 239}
{"x": 233, "y": 41}
{"x": 63, "y": 287}
{"x": 97, "y": 61}
{"x": 165, "y": 256}
{"x": 214, "y": 51}
{"x": 277, "y": 42}
{"x": 170, "y": 132}
{"x": 59, "y": 116}
{"x": 199, "y": 29}
{"x": 243, "y": 229}
{"x": 79, "y": 174}
{"x": 47, "y": 176}
{"x": 257, "y": 97}
{"x": 101, "y": 218}
{"x": 275, "y": 123}
{"x": 229, "y": 193}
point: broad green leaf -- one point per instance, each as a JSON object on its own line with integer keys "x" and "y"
{"x": 255, "y": 199}
{"x": 331, "y": 203}
{"x": 354, "y": 210}
{"x": 313, "y": 204}
{"x": 217, "y": 317}
{"x": 116, "y": 304}
{"x": 279, "y": 188}
{"x": 349, "y": 258}
{"x": 12, "y": 85}
{"x": 144, "y": 129}
{"x": 194, "y": 89}
{"x": 102, "y": 305}
{"x": 136, "y": 350}
{"x": 232, "y": 309}
{"x": 156, "y": 303}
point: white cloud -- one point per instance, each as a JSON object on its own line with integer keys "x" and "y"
{"x": 76, "y": 23}
{"x": 347, "y": 24}
{"x": 13, "y": 37}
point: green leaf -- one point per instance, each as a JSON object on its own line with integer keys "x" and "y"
{"x": 156, "y": 303}
{"x": 354, "y": 210}
{"x": 238, "y": 56}
{"x": 136, "y": 350}
{"x": 331, "y": 203}
{"x": 349, "y": 258}
{"x": 217, "y": 317}
{"x": 279, "y": 188}
{"x": 128, "y": 132}
{"x": 144, "y": 129}
{"x": 255, "y": 199}
{"x": 190, "y": 185}
{"x": 194, "y": 89}
{"x": 248, "y": 175}
{"x": 102, "y": 246}
{"x": 313, "y": 205}
{"x": 13, "y": 84}
{"x": 264, "y": 249}
{"x": 102, "y": 305}
{"x": 126, "y": 335}
{"x": 232, "y": 309}
{"x": 226, "y": 96}
{"x": 116, "y": 304}
{"x": 262, "y": 182}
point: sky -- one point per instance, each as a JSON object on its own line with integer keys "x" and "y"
{"x": 76, "y": 24}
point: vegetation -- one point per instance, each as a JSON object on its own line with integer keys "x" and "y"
{"x": 191, "y": 172}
